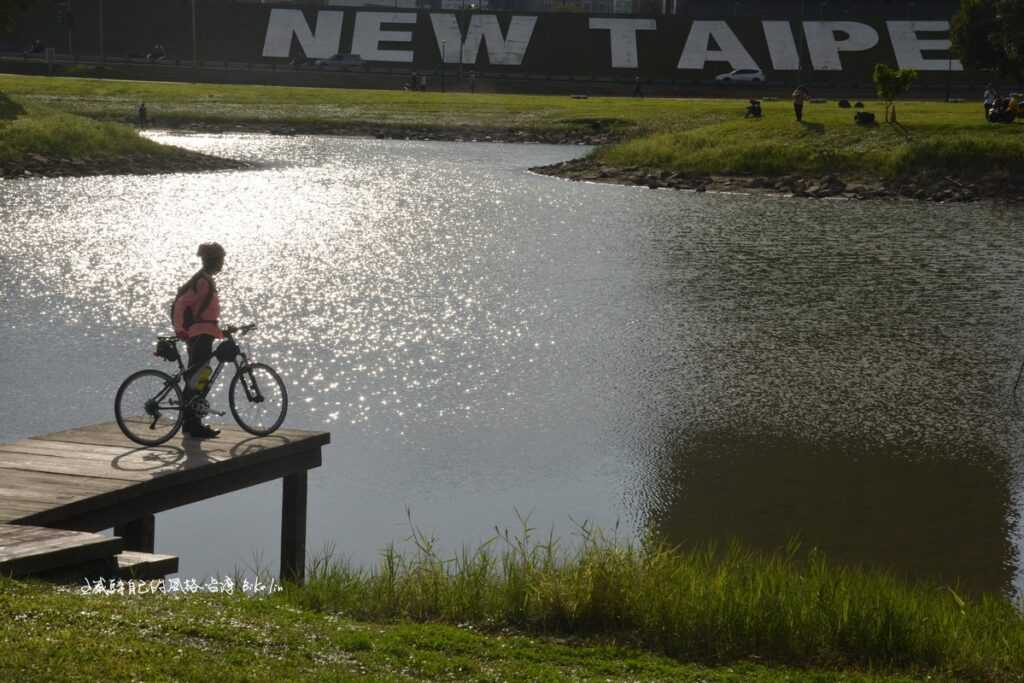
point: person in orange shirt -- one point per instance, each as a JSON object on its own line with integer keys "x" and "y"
{"x": 196, "y": 314}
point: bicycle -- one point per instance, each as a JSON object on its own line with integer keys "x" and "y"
{"x": 149, "y": 404}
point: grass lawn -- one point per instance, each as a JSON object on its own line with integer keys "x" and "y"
{"x": 519, "y": 609}
{"x": 33, "y": 129}
{"x": 47, "y": 635}
{"x": 691, "y": 136}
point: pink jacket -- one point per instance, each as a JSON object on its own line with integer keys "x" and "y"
{"x": 204, "y": 319}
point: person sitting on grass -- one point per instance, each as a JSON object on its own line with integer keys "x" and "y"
{"x": 989, "y": 99}
{"x": 753, "y": 109}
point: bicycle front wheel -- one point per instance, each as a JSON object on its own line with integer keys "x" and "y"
{"x": 258, "y": 399}
{"x": 148, "y": 407}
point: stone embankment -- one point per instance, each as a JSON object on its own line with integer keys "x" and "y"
{"x": 926, "y": 188}
{"x": 183, "y": 161}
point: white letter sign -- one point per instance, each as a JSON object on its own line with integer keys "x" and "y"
{"x": 622, "y": 33}
{"x": 698, "y": 52}
{"x": 288, "y": 23}
{"x": 781, "y": 45}
{"x": 368, "y": 36}
{"x": 825, "y": 47}
{"x": 908, "y": 46}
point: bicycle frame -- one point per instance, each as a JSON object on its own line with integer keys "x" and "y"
{"x": 240, "y": 360}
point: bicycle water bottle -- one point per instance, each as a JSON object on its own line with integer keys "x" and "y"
{"x": 202, "y": 378}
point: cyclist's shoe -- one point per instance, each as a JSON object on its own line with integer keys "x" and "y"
{"x": 201, "y": 431}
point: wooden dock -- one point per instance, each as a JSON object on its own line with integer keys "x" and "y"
{"x": 93, "y": 478}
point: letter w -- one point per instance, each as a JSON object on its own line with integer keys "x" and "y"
{"x": 287, "y": 23}
{"x": 508, "y": 50}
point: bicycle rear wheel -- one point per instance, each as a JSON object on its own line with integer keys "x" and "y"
{"x": 148, "y": 407}
{"x": 258, "y": 399}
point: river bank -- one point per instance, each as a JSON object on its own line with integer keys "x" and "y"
{"x": 944, "y": 188}
{"x": 37, "y": 141}
{"x": 937, "y": 151}
{"x": 527, "y": 610}
{"x": 50, "y": 634}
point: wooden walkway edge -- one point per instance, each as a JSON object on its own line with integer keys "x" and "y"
{"x": 92, "y": 478}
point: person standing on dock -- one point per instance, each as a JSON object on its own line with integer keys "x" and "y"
{"x": 196, "y": 311}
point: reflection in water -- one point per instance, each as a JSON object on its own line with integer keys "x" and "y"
{"x": 479, "y": 339}
{"x": 904, "y": 508}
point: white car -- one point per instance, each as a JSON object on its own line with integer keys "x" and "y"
{"x": 741, "y": 75}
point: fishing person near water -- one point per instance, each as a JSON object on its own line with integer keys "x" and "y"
{"x": 196, "y": 314}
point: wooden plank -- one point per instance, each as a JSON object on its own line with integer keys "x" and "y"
{"x": 29, "y": 550}
{"x": 161, "y": 499}
{"x": 46, "y": 463}
{"x": 140, "y": 461}
{"x": 193, "y": 447}
{"x": 227, "y": 428}
{"x": 13, "y": 509}
{"x": 96, "y": 451}
{"x": 17, "y": 533}
{"x": 33, "y": 496}
{"x": 68, "y": 483}
{"x": 118, "y": 439}
{"x": 145, "y": 566}
{"x": 85, "y": 476}
{"x": 129, "y": 498}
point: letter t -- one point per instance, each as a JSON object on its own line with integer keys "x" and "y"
{"x": 623, "y": 38}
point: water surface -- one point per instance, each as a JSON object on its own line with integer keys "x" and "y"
{"x": 481, "y": 341}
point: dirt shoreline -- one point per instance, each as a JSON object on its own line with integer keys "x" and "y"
{"x": 184, "y": 161}
{"x": 599, "y": 135}
{"x": 923, "y": 188}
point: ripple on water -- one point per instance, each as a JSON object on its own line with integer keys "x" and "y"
{"x": 591, "y": 350}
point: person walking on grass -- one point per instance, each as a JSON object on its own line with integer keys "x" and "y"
{"x": 637, "y": 87}
{"x": 799, "y": 97}
{"x": 196, "y": 312}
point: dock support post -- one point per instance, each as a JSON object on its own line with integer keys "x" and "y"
{"x": 293, "y": 527}
{"x": 138, "y": 534}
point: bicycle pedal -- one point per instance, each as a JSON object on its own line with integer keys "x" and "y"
{"x": 218, "y": 413}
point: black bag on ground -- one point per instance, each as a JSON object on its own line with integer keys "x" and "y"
{"x": 864, "y": 118}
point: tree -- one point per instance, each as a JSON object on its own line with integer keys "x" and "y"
{"x": 891, "y": 83}
{"x": 9, "y": 9}
{"x": 989, "y": 34}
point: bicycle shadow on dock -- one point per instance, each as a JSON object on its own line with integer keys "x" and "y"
{"x": 191, "y": 453}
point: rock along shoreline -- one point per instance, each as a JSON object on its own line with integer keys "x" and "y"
{"x": 923, "y": 188}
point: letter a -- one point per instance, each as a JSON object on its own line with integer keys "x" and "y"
{"x": 697, "y": 51}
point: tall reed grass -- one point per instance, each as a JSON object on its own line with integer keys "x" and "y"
{"x": 711, "y": 604}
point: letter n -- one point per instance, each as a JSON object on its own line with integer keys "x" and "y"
{"x": 286, "y": 24}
